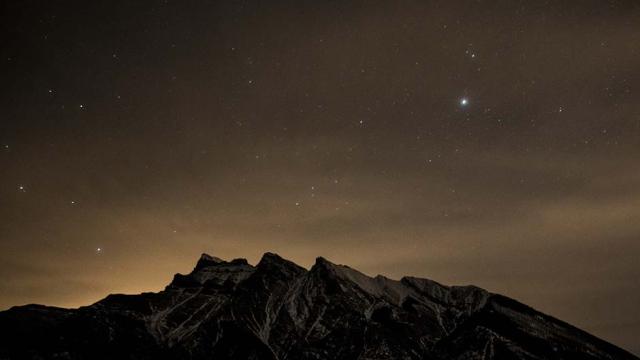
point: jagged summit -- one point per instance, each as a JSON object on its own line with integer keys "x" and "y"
{"x": 207, "y": 260}
{"x": 320, "y": 261}
{"x": 279, "y": 310}
{"x": 271, "y": 262}
{"x": 207, "y": 257}
{"x": 272, "y": 258}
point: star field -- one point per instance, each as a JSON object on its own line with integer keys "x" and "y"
{"x": 470, "y": 142}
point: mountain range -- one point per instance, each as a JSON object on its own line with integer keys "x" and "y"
{"x": 277, "y": 310}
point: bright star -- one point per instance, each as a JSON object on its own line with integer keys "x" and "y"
{"x": 464, "y": 101}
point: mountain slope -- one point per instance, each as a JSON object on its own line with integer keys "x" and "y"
{"x": 279, "y": 310}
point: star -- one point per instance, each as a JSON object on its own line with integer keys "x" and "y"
{"x": 22, "y": 188}
{"x": 464, "y": 102}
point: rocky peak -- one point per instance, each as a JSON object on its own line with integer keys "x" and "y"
{"x": 272, "y": 258}
{"x": 271, "y": 262}
{"x": 324, "y": 266}
{"x": 323, "y": 270}
{"x": 208, "y": 257}
{"x": 213, "y": 271}
{"x": 207, "y": 260}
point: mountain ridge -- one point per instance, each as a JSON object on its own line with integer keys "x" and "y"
{"x": 277, "y": 309}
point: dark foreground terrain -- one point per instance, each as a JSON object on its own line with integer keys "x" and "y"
{"x": 279, "y": 310}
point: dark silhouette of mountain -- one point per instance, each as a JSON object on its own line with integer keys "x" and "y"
{"x": 279, "y": 310}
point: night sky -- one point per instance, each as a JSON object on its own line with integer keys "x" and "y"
{"x": 494, "y": 143}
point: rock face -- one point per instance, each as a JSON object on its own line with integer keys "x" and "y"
{"x": 279, "y": 310}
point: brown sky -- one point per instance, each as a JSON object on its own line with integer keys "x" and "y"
{"x": 159, "y": 130}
